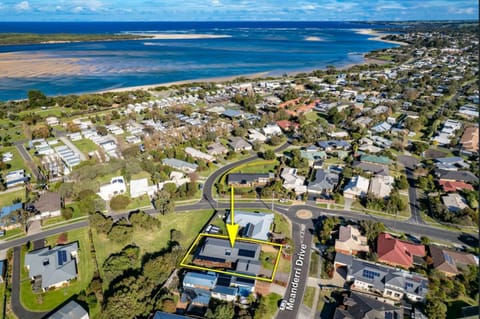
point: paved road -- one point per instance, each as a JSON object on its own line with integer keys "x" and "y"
{"x": 17, "y": 307}
{"x": 27, "y": 158}
{"x": 410, "y": 164}
{"x": 302, "y": 238}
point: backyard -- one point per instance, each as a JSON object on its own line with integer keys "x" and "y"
{"x": 53, "y": 298}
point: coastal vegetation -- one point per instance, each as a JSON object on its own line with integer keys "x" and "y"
{"x": 33, "y": 38}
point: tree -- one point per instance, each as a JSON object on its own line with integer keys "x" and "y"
{"x": 67, "y": 213}
{"x": 435, "y": 309}
{"x": 371, "y": 229}
{"x": 119, "y": 202}
{"x": 101, "y": 223}
{"x": 401, "y": 182}
{"x": 36, "y": 98}
{"x": 328, "y": 225}
{"x": 41, "y": 131}
{"x": 115, "y": 264}
{"x": 269, "y": 155}
{"x": 225, "y": 311}
{"x": 168, "y": 305}
{"x": 120, "y": 233}
{"x": 163, "y": 202}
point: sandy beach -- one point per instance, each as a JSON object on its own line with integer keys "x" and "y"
{"x": 180, "y": 36}
{"x": 214, "y": 79}
{"x": 377, "y": 36}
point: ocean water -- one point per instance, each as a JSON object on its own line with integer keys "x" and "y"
{"x": 252, "y": 47}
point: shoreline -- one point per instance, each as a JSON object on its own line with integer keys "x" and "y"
{"x": 377, "y": 36}
{"x": 219, "y": 79}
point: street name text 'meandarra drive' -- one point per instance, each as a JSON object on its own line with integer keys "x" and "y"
{"x": 296, "y": 277}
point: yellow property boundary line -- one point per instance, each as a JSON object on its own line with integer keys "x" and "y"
{"x": 233, "y": 273}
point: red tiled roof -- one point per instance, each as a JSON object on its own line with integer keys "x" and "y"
{"x": 286, "y": 125}
{"x": 397, "y": 252}
{"x": 453, "y": 186}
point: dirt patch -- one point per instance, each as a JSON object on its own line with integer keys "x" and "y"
{"x": 304, "y": 214}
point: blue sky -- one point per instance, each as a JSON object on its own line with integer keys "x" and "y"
{"x": 231, "y": 10}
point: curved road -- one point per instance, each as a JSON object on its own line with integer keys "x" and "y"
{"x": 208, "y": 202}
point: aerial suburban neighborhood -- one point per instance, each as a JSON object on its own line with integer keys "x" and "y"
{"x": 354, "y": 192}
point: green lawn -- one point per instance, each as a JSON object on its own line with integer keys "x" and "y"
{"x": 7, "y": 198}
{"x": 85, "y": 146}
{"x": 281, "y": 225}
{"x": 15, "y": 232}
{"x": 142, "y": 174}
{"x": 139, "y": 202}
{"x": 221, "y": 224}
{"x": 258, "y": 166}
{"x": 189, "y": 223}
{"x": 308, "y": 297}
{"x": 17, "y": 161}
{"x": 53, "y": 298}
{"x": 268, "y": 259}
{"x": 314, "y": 262}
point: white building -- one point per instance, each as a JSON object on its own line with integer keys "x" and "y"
{"x": 139, "y": 187}
{"x": 115, "y": 187}
{"x": 197, "y": 154}
{"x": 292, "y": 181}
{"x": 357, "y": 187}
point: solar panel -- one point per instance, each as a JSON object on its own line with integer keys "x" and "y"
{"x": 246, "y": 253}
{"x": 448, "y": 258}
{"x": 59, "y": 257}
{"x": 370, "y": 274}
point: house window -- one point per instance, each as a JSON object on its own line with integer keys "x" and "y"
{"x": 228, "y": 252}
{"x": 396, "y": 295}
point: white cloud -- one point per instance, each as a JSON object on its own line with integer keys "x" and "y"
{"x": 216, "y": 3}
{"x": 22, "y": 6}
{"x": 309, "y": 7}
{"x": 77, "y": 9}
{"x": 92, "y": 5}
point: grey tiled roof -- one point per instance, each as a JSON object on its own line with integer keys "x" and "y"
{"x": 220, "y": 249}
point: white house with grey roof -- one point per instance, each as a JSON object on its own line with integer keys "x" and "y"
{"x": 389, "y": 282}
{"x": 254, "y": 225}
{"x": 71, "y": 310}
{"x": 54, "y": 267}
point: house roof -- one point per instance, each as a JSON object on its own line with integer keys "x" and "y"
{"x": 454, "y": 202}
{"x": 165, "y": 315}
{"x": 6, "y": 210}
{"x": 375, "y": 159}
{"x": 238, "y": 142}
{"x": 176, "y": 163}
{"x": 324, "y": 181}
{"x": 220, "y": 249}
{"x": 335, "y": 144}
{"x": 258, "y": 224}
{"x": 453, "y": 186}
{"x": 232, "y": 113}
{"x": 359, "y": 306}
{"x": 379, "y": 276}
{"x": 248, "y": 178}
{"x": 53, "y": 264}
{"x": 71, "y": 310}
{"x": 397, "y": 252}
{"x": 48, "y": 202}
{"x": 230, "y": 291}
{"x": 465, "y": 176}
{"x": 200, "y": 279}
{"x": 349, "y": 238}
{"x": 373, "y": 168}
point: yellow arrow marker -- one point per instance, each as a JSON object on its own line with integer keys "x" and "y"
{"x": 232, "y": 228}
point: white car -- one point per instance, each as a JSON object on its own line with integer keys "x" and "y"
{"x": 283, "y": 304}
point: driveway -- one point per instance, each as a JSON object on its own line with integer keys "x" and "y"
{"x": 17, "y": 307}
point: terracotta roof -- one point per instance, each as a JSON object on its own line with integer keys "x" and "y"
{"x": 453, "y": 186}
{"x": 397, "y": 252}
{"x": 286, "y": 125}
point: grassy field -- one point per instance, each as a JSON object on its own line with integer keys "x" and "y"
{"x": 17, "y": 161}
{"x": 6, "y": 199}
{"x": 85, "y": 146}
{"x": 139, "y": 202}
{"x": 268, "y": 259}
{"x": 308, "y": 298}
{"x": 189, "y": 223}
{"x": 53, "y": 298}
{"x": 281, "y": 225}
{"x": 258, "y": 166}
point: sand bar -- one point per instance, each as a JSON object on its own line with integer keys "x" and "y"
{"x": 377, "y": 36}
{"x": 179, "y": 36}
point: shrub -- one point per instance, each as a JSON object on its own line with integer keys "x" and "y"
{"x": 67, "y": 213}
{"x": 119, "y": 202}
